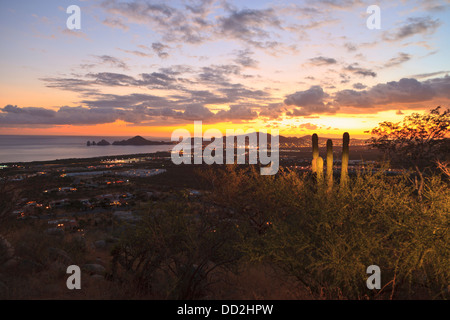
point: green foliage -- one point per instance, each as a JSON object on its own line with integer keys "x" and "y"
{"x": 328, "y": 240}
{"x": 251, "y": 198}
{"x": 418, "y": 141}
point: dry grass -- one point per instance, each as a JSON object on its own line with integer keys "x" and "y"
{"x": 258, "y": 281}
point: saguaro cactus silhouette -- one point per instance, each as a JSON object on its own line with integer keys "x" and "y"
{"x": 330, "y": 163}
{"x": 315, "y": 147}
{"x": 317, "y": 162}
{"x": 345, "y": 157}
{"x": 319, "y": 168}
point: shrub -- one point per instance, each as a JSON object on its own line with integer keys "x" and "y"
{"x": 328, "y": 239}
{"x": 173, "y": 249}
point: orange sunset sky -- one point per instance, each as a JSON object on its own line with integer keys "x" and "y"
{"x": 145, "y": 67}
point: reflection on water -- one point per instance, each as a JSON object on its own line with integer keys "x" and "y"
{"x": 44, "y": 148}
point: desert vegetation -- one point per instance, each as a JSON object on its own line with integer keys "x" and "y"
{"x": 294, "y": 235}
{"x": 324, "y": 235}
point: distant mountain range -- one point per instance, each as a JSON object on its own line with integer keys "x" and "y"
{"x": 304, "y": 141}
{"x": 135, "y": 141}
{"x": 140, "y": 141}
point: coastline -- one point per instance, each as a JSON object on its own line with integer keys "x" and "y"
{"x": 33, "y": 149}
{"x": 98, "y": 158}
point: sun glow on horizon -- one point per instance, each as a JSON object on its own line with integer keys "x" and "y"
{"x": 328, "y": 126}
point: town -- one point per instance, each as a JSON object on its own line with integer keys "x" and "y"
{"x": 116, "y": 186}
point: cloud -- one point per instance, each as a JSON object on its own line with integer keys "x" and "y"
{"x": 140, "y": 108}
{"x": 237, "y": 112}
{"x": 31, "y": 111}
{"x": 71, "y": 84}
{"x": 13, "y": 115}
{"x": 196, "y": 112}
{"x": 154, "y": 80}
{"x": 112, "y": 61}
{"x": 431, "y": 74}
{"x": 197, "y": 22}
{"x": 399, "y": 59}
{"x": 355, "y": 69}
{"x": 272, "y": 111}
{"x": 185, "y": 98}
{"x": 250, "y": 25}
{"x": 308, "y": 126}
{"x": 359, "y": 86}
{"x": 137, "y": 53}
{"x": 112, "y": 79}
{"x": 322, "y": 61}
{"x": 340, "y": 3}
{"x": 244, "y": 59}
{"x": 218, "y": 74}
{"x": 404, "y": 91}
{"x": 139, "y": 11}
{"x": 182, "y": 84}
{"x": 201, "y": 7}
{"x": 115, "y": 23}
{"x": 312, "y": 96}
{"x": 351, "y": 47}
{"x": 441, "y": 86}
{"x": 112, "y": 101}
{"x": 245, "y": 104}
{"x": 310, "y": 101}
{"x": 174, "y": 24}
{"x": 413, "y": 26}
{"x": 74, "y": 33}
{"x": 352, "y": 98}
{"x": 168, "y": 78}
{"x": 159, "y": 48}
{"x": 434, "y": 6}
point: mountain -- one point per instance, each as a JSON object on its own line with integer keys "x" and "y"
{"x": 304, "y": 141}
{"x": 139, "y": 141}
{"x": 103, "y": 143}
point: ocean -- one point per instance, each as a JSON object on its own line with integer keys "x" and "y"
{"x": 17, "y": 148}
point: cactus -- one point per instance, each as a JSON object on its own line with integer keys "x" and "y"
{"x": 319, "y": 168}
{"x": 345, "y": 157}
{"x": 315, "y": 146}
{"x": 330, "y": 163}
{"x": 317, "y": 162}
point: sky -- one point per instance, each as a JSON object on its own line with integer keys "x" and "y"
{"x": 149, "y": 67}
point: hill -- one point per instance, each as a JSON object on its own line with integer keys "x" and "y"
{"x": 139, "y": 141}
